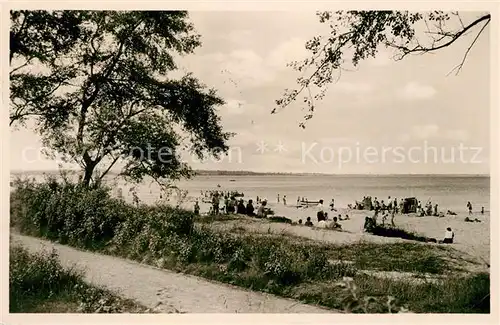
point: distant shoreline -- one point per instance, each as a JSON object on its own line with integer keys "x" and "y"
{"x": 250, "y": 173}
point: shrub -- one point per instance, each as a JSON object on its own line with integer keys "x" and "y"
{"x": 354, "y": 301}
{"x": 65, "y": 211}
{"x": 279, "y": 219}
{"x": 37, "y": 276}
{"x": 281, "y": 267}
{"x": 239, "y": 261}
{"x": 388, "y": 231}
{"x": 454, "y": 294}
{"x": 37, "y": 280}
{"x": 90, "y": 217}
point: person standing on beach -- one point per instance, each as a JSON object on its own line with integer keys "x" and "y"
{"x": 332, "y": 205}
{"x": 469, "y": 206}
{"x": 215, "y": 203}
{"x": 196, "y": 208}
{"x": 377, "y": 210}
{"x": 320, "y": 211}
{"x": 320, "y": 205}
{"x": 232, "y": 205}
{"x": 393, "y": 212}
{"x": 278, "y": 198}
{"x": 482, "y": 210}
{"x": 284, "y": 199}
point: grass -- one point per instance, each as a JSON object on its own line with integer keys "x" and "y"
{"x": 282, "y": 265}
{"x": 207, "y": 219}
{"x": 367, "y": 294}
{"x": 403, "y": 257}
{"x": 39, "y": 284}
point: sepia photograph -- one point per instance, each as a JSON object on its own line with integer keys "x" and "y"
{"x": 287, "y": 162}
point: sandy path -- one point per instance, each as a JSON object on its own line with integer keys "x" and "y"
{"x": 164, "y": 290}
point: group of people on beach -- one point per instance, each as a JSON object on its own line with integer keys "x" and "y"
{"x": 233, "y": 203}
{"x": 323, "y": 220}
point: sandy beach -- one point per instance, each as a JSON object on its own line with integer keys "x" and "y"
{"x": 472, "y": 238}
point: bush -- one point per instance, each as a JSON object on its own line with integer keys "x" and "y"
{"x": 38, "y": 283}
{"x": 281, "y": 267}
{"x": 387, "y": 231}
{"x": 65, "y": 211}
{"x": 35, "y": 277}
{"x": 90, "y": 217}
{"x": 455, "y": 294}
{"x": 279, "y": 219}
{"x": 239, "y": 261}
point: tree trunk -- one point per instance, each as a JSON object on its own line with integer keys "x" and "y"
{"x": 89, "y": 171}
{"x": 87, "y": 176}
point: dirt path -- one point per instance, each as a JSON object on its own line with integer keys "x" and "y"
{"x": 164, "y": 290}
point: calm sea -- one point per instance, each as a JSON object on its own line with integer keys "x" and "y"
{"x": 449, "y": 192}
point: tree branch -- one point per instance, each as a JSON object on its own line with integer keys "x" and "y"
{"x": 326, "y": 60}
{"x": 86, "y": 102}
{"x": 454, "y": 37}
{"x": 459, "y": 67}
{"x": 109, "y": 168}
{"x": 21, "y": 29}
{"x": 20, "y": 67}
{"x": 115, "y": 131}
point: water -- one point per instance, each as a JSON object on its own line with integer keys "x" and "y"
{"x": 449, "y": 192}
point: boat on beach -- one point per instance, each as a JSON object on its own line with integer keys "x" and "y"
{"x": 307, "y": 203}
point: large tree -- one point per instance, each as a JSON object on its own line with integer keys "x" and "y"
{"x": 98, "y": 86}
{"x": 357, "y": 35}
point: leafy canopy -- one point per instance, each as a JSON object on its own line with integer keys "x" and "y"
{"x": 357, "y": 35}
{"x": 97, "y": 86}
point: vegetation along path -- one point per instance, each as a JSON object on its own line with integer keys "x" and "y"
{"x": 166, "y": 292}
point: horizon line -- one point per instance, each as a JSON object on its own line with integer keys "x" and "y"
{"x": 249, "y": 172}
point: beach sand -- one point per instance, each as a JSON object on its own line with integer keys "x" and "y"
{"x": 472, "y": 238}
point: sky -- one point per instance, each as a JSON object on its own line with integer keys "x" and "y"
{"x": 384, "y": 117}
